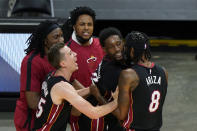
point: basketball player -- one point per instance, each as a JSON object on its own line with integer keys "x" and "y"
{"x": 78, "y": 32}
{"x": 142, "y": 88}
{"x": 107, "y": 74}
{"x": 34, "y": 68}
{"x": 57, "y": 93}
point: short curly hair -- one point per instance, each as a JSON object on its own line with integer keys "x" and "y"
{"x": 74, "y": 14}
{"x": 67, "y": 27}
{"x": 106, "y": 33}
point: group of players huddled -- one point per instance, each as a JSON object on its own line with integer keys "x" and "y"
{"x": 71, "y": 80}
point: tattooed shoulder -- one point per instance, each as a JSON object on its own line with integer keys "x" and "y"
{"x": 128, "y": 77}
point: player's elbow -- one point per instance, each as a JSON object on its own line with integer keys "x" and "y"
{"x": 122, "y": 117}
{"x": 94, "y": 115}
{"x": 118, "y": 115}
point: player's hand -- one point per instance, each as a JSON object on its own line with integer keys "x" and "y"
{"x": 115, "y": 94}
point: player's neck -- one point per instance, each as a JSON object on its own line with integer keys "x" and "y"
{"x": 145, "y": 63}
{"x": 64, "y": 73}
{"x": 86, "y": 43}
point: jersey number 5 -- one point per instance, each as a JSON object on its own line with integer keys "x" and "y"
{"x": 40, "y": 108}
{"x": 154, "y": 101}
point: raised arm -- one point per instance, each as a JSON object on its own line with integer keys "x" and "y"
{"x": 64, "y": 90}
{"x": 128, "y": 81}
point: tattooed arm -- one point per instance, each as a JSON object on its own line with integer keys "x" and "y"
{"x": 128, "y": 81}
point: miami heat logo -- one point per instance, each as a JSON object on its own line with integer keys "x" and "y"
{"x": 91, "y": 59}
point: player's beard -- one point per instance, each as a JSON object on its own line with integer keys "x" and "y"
{"x": 82, "y": 40}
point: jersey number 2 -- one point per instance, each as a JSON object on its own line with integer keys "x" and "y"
{"x": 40, "y": 108}
{"x": 154, "y": 101}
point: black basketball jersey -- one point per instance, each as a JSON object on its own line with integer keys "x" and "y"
{"x": 106, "y": 78}
{"x": 48, "y": 115}
{"x": 147, "y": 99}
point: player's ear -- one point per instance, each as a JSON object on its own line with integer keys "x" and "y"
{"x": 62, "y": 64}
{"x": 74, "y": 27}
{"x": 132, "y": 52}
{"x": 46, "y": 44}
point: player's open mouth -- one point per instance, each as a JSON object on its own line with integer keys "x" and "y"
{"x": 118, "y": 55}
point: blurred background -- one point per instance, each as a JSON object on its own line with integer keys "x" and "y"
{"x": 171, "y": 25}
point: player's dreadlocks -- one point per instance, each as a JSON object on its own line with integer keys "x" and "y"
{"x": 140, "y": 42}
{"x": 107, "y": 32}
{"x": 71, "y": 21}
{"x": 36, "y": 41}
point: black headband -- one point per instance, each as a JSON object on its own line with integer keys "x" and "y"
{"x": 52, "y": 27}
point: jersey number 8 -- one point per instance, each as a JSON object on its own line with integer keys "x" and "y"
{"x": 154, "y": 101}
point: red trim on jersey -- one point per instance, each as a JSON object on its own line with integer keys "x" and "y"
{"x": 130, "y": 129}
{"x": 74, "y": 123}
{"x": 97, "y": 124}
{"x": 93, "y": 124}
{"x": 53, "y": 115}
{"x": 127, "y": 122}
{"x": 152, "y": 65}
{"x": 101, "y": 124}
{"x": 50, "y": 114}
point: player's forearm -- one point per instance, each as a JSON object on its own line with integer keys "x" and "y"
{"x": 32, "y": 99}
{"x": 104, "y": 109}
{"x": 123, "y": 106}
{"x": 101, "y": 100}
{"x": 83, "y": 92}
{"x": 77, "y": 85}
{"x": 92, "y": 112}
